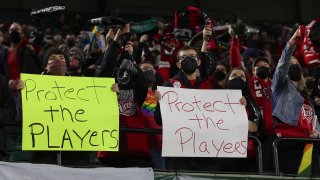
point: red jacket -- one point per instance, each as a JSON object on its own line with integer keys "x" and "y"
{"x": 262, "y": 95}
{"x": 304, "y": 124}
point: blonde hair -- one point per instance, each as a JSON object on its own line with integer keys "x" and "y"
{"x": 301, "y": 84}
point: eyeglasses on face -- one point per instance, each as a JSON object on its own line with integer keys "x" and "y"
{"x": 185, "y": 56}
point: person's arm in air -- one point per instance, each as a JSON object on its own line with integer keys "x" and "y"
{"x": 206, "y": 57}
{"x": 234, "y": 56}
{"x": 109, "y": 59}
{"x": 280, "y": 74}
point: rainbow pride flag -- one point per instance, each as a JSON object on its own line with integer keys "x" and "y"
{"x": 97, "y": 30}
{"x": 305, "y": 169}
{"x": 149, "y": 105}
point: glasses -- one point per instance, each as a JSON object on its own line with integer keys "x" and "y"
{"x": 194, "y": 56}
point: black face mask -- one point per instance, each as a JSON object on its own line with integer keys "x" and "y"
{"x": 15, "y": 37}
{"x": 150, "y": 76}
{"x": 189, "y": 65}
{"x": 219, "y": 75}
{"x": 236, "y": 83}
{"x": 310, "y": 83}
{"x": 294, "y": 72}
{"x": 263, "y": 72}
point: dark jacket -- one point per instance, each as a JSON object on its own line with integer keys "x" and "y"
{"x": 132, "y": 93}
{"x": 3, "y": 60}
{"x": 29, "y": 61}
{"x": 7, "y": 110}
{"x": 115, "y": 63}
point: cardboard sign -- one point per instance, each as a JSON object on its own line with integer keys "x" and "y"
{"x": 69, "y": 113}
{"x": 203, "y": 123}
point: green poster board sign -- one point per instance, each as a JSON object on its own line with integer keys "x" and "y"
{"x": 69, "y": 113}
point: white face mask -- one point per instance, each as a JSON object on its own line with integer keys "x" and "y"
{"x": 57, "y": 37}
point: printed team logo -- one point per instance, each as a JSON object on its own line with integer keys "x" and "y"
{"x": 123, "y": 76}
{"x": 127, "y": 107}
{"x": 307, "y": 112}
{"x": 176, "y": 84}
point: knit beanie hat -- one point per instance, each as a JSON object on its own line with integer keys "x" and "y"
{"x": 80, "y": 52}
{"x": 48, "y": 52}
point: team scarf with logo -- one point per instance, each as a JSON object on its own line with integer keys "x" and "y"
{"x": 308, "y": 45}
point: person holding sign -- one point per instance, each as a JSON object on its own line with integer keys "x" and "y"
{"x": 293, "y": 111}
{"x": 188, "y": 62}
{"x": 55, "y": 63}
{"x": 237, "y": 79}
{"x": 132, "y": 89}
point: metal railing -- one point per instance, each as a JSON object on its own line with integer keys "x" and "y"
{"x": 275, "y": 149}
{"x": 257, "y": 143}
{"x": 159, "y": 131}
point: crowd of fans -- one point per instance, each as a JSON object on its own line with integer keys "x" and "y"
{"x": 275, "y": 68}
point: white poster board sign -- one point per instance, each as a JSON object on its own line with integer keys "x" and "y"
{"x": 203, "y": 123}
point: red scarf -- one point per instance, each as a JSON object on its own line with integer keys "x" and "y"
{"x": 306, "y": 51}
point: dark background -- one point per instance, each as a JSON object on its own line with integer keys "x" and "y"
{"x": 301, "y": 11}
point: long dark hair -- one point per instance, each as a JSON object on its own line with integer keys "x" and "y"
{"x": 254, "y": 111}
{"x": 247, "y": 92}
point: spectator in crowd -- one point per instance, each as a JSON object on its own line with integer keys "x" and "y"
{"x": 240, "y": 79}
{"x": 148, "y": 108}
{"x": 188, "y": 62}
{"x": 132, "y": 89}
{"x": 70, "y": 39}
{"x": 55, "y": 63}
{"x": 293, "y": 111}
{"x": 76, "y": 60}
{"x": 260, "y": 84}
{"x": 20, "y": 57}
{"x": 48, "y": 36}
{"x": 220, "y": 75}
{"x": 58, "y": 38}
{"x": 310, "y": 82}
{"x": 237, "y": 79}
